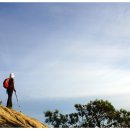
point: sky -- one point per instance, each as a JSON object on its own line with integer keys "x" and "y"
{"x": 65, "y": 53}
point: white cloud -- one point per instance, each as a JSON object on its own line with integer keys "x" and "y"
{"x": 79, "y": 56}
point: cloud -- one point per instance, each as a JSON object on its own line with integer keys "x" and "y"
{"x": 74, "y": 53}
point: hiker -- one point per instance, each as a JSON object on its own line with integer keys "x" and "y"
{"x": 10, "y": 90}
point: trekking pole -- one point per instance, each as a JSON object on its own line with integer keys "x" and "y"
{"x": 17, "y": 101}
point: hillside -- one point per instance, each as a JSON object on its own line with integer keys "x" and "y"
{"x": 10, "y": 118}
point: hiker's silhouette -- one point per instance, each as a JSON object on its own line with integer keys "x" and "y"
{"x": 10, "y": 90}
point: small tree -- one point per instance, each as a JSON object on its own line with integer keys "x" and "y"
{"x": 122, "y": 118}
{"x": 56, "y": 119}
{"x": 96, "y": 113}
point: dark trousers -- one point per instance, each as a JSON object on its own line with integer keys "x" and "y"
{"x": 9, "y": 101}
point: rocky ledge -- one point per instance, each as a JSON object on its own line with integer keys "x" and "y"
{"x": 10, "y": 118}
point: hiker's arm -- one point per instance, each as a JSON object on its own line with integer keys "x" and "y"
{"x": 13, "y": 86}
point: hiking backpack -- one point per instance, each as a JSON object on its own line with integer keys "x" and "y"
{"x": 6, "y": 83}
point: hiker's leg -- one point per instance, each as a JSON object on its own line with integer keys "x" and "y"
{"x": 9, "y": 101}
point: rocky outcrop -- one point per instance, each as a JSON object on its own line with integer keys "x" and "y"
{"x": 10, "y": 118}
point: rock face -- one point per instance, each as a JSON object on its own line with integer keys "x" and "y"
{"x": 10, "y": 118}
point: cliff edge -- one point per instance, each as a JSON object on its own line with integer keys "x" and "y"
{"x": 10, "y": 118}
